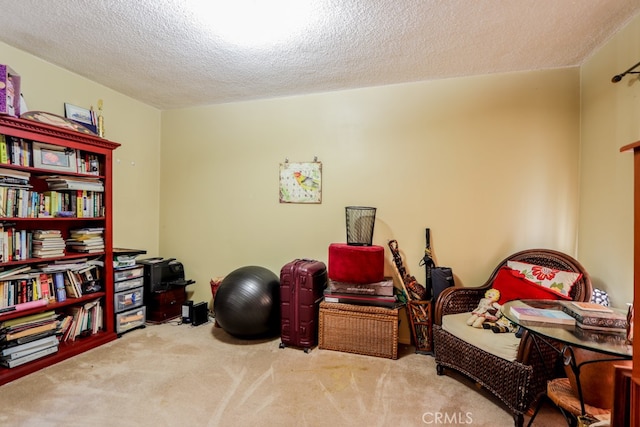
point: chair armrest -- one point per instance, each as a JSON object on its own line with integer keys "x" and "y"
{"x": 457, "y": 300}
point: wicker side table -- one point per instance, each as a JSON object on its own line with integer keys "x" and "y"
{"x": 360, "y": 329}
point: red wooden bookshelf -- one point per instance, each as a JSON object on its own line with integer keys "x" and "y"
{"x": 32, "y": 131}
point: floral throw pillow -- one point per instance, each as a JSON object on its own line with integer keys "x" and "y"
{"x": 557, "y": 281}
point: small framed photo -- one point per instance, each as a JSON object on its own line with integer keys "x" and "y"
{"x": 54, "y": 157}
{"x": 80, "y": 115}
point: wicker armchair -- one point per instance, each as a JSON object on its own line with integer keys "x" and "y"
{"x": 515, "y": 383}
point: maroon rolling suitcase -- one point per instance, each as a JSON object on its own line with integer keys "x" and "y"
{"x": 302, "y": 283}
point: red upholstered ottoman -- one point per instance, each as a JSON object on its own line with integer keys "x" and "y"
{"x": 356, "y": 264}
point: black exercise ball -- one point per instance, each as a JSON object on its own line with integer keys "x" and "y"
{"x": 247, "y": 303}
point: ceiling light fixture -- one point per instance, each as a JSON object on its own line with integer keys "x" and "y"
{"x": 253, "y": 23}
{"x": 618, "y": 77}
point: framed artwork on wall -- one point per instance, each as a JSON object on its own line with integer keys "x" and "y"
{"x": 301, "y": 182}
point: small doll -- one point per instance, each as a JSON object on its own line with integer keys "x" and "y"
{"x": 488, "y": 309}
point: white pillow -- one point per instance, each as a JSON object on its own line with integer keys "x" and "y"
{"x": 557, "y": 281}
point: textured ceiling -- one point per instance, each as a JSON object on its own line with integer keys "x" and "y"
{"x": 161, "y": 53}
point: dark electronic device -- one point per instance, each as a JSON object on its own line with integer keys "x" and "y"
{"x": 187, "y": 308}
{"x": 161, "y": 274}
{"x": 199, "y": 314}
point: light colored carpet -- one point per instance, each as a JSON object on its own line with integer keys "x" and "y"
{"x": 177, "y": 375}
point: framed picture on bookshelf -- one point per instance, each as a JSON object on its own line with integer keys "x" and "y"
{"x": 77, "y": 114}
{"x": 80, "y": 115}
{"x": 53, "y": 157}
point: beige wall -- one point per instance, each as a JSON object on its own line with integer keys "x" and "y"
{"x": 489, "y": 163}
{"x": 131, "y": 123}
{"x": 610, "y": 120}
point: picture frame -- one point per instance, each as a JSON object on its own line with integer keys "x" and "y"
{"x": 80, "y": 115}
{"x": 77, "y": 114}
{"x": 54, "y": 157}
{"x": 300, "y": 182}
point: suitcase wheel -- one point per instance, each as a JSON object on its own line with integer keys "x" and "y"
{"x": 306, "y": 350}
{"x": 282, "y": 345}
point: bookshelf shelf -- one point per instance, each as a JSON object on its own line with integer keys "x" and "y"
{"x": 52, "y": 306}
{"x": 65, "y": 351}
{"x": 93, "y": 159}
{"x": 44, "y": 171}
{"x": 67, "y": 256}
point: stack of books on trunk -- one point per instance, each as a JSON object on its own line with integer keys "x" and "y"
{"x": 379, "y": 294}
{"x": 28, "y": 338}
{"x": 595, "y": 317}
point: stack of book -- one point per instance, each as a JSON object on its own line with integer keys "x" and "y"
{"x": 14, "y": 178}
{"x": 87, "y": 240}
{"x": 63, "y": 183}
{"x": 595, "y": 317}
{"x": 28, "y": 338}
{"x": 381, "y": 294}
{"x": 542, "y": 316}
{"x": 47, "y": 244}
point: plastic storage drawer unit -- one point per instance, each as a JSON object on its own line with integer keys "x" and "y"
{"x": 128, "y": 273}
{"x": 129, "y": 284}
{"x": 127, "y": 300}
{"x": 130, "y": 319}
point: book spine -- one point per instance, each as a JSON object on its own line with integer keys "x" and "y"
{"x": 61, "y": 293}
{"x": 4, "y": 159}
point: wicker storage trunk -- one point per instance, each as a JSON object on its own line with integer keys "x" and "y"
{"x": 361, "y": 329}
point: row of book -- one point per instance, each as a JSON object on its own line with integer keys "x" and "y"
{"x": 28, "y": 338}
{"x": 18, "y": 202}
{"x": 19, "y": 245}
{"x": 15, "y": 151}
{"x": 19, "y": 151}
{"x": 25, "y": 285}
